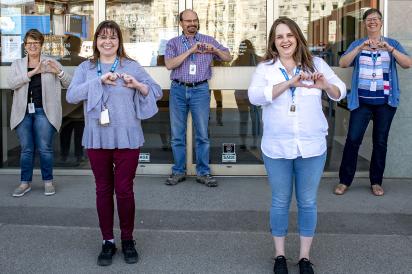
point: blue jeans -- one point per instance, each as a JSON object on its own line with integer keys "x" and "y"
{"x": 197, "y": 100}
{"x": 306, "y": 174}
{"x": 382, "y": 116}
{"x": 35, "y": 131}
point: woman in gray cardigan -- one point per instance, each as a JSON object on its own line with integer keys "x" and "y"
{"x": 36, "y": 112}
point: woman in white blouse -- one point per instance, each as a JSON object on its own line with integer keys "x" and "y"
{"x": 288, "y": 85}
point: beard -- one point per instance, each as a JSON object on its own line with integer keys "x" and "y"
{"x": 192, "y": 29}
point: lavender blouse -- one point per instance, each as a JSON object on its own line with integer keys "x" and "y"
{"x": 127, "y": 107}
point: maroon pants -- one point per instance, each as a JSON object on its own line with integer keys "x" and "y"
{"x": 114, "y": 171}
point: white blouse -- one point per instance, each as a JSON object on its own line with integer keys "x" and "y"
{"x": 289, "y": 134}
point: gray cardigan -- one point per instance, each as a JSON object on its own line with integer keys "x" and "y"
{"x": 51, "y": 92}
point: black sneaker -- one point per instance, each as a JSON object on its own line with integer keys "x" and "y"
{"x": 280, "y": 266}
{"x": 129, "y": 251}
{"x": 105, "y": 256}
{"x": 305, "y": 266}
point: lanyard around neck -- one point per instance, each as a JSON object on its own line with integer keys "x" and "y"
{"x": 374, "y": 56}
{"x": 285, "y": 74}
{"x": 185, "y": 42}
{"x": 112, "y": 69}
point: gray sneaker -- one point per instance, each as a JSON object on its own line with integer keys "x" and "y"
{"x": 174, "y": 179}
{"x": 207, "y": 180}
{"x": 49, "y": 189}
{"x": 20, "y": 190}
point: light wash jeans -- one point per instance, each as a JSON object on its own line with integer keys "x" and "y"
{"x": 305, "y": 174}
{"x": 197, "y": 100}
{"x": 36, "y": 132}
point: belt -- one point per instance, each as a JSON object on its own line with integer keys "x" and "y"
{"x": 192, "y": 85}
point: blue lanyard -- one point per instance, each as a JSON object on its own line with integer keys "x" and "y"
{"x": 185, "y": 42}
{"x": 374, "y": 59}
{"x": 292, "y": 89}
{"x": 112, "y": 69}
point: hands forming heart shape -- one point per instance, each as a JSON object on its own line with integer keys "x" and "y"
{"x": 110, "y": 78}
{"x": 373, "y": 45}
{"x": 129, "y": 81}
{"x": 310, "y": 80}
{"x": 203, "y": 48}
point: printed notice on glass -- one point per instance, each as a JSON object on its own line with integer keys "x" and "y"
{"x": 228, "y": 153}
{"x": 144, "y": 158}
{"x": 10, "y": 48}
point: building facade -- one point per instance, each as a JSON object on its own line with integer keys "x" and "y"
{"x": 242, "y": 26}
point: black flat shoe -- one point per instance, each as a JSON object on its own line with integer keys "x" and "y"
{"x": 105, "y": 256}
{"x": 129, "y": 251}
{"x": 305, "y": 266}
{"x": 280, "y": 266}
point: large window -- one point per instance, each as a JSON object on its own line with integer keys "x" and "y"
{"x": 329, "y": 26}
{"x": 67, "y": 26}
{"x": 239, "y": 25}
{"x": 146, "y": 27}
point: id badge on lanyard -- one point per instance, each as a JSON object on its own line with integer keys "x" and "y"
{"x": 292, "y": 105}
{"x": 104, "y": 114}
{"x": 192, "y": 66}
{"x": 30, "y": 107}
{"x": 192, "y": 69}
{"x": 374, "y": 60}
{"x": 104, "y": 117}
{"x": 373, "y": 85}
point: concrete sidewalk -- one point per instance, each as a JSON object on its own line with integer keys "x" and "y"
{"x": 190, "y": 228}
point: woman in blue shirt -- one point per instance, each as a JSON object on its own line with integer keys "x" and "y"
{"x": 374, "y": 96}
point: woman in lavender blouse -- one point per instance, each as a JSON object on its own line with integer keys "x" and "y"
{"x": 117, "y": 94}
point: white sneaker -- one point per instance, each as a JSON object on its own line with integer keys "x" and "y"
{"x": 20, "y": 191}
{"x": 49, "y": 189}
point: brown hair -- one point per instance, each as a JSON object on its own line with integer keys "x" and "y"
{"x": 302, "y": 54}
{"x": 34, "y": 34}
{"x": 371, "y": 11}
{"x": 103, "y": 27}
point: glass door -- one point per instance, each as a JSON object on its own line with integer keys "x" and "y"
{"x": 235, "y": 125}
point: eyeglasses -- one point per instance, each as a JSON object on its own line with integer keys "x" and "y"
{"x": 191, "y": 21}
{"x": 32, "y": 44}
{"x": 104, "y": 37}
{"x": 374, "y": 19}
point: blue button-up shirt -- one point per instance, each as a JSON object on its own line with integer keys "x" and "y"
{"x": 180, "y": 44}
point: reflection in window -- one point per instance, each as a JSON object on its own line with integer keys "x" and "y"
{"x": 235, "y": 24}
{"x": 329, "y": 26}
{"x": 59, "y": 21}
{"x": 146, "y": 27}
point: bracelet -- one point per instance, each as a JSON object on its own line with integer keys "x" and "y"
{"x": 393, "y": 48}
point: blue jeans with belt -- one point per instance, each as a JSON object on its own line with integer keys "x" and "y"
{"x": 305, "y": 175}
{"x": 197, "y": 100}
{"x": 382, "y": 116}
{"x": 36, "y": 132}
